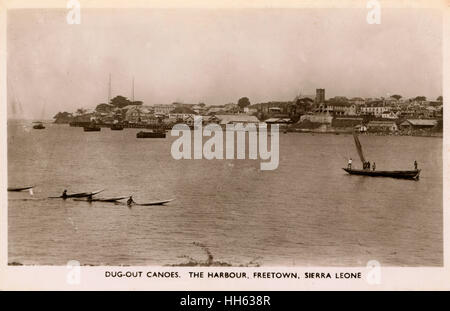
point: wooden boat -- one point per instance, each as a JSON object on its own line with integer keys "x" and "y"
{"x": 154, "y": 203}
{"x": 414, "y": 174}
{"x": 38, "y": 126}
{"x": 152, "y": 134}
{"x": 92, "y": 128}
{"x": 112, "y": 200}
{"x": 77, "y": 195}
{"x": 408, "y": 174}
{"x": 17, "y": 189}
{"x": 116, "y": 127}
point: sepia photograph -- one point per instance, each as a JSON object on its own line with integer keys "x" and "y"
{"x": 242, "y": 137}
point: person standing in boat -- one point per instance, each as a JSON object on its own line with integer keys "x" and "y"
{"x": 349, "y": 166}
{"x": 415, "y": 165}
{"x": 373, "y": 166}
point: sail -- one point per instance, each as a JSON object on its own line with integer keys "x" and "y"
{"x": 359, "y": 148}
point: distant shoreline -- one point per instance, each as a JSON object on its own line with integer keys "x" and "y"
{"x": 287, "y": 130}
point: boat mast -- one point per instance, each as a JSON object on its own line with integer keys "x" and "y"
{"x": 359, "y": 148}
{"x": 109, "y": 89}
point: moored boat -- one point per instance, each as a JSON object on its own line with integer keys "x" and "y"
{"x": 116, "y": 127}
{"x": 92, "y": 128}
{"x": 152, "y": 134}
{"x": 38, "y": 126}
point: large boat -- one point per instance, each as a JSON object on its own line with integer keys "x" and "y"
{"x": 152, "y": 134}
{"x": 408, "y": 174}
{"x": 413, "y": 174}
{"x": 38, "y": 126}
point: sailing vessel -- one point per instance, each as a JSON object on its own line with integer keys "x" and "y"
{"x": 410, "y": 174}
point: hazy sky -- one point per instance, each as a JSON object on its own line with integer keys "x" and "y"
{"x": 217, "y": 56}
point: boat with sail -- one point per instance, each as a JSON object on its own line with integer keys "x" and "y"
{"x": 402, "y": 174}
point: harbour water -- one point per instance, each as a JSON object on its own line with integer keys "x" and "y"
{"x": 308, "y": 212}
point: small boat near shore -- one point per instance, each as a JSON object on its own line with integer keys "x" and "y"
{"x": 77, "y": 195}
{"x": 92, "y": 128}
{"x": 152, "y": 134}
{"x": 38, "y": 126}
{"x": 111, "y": 200}
{"x": 154, "y": 203}
{"x": 116, "y": 127}
{"x": 18, "y": 189}
{"x": 161, "y": 202}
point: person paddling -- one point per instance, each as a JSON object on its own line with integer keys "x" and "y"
{"x": 89, "y": 198}
{"x": 130, "y": 201}
{"x": 64, "y": 195}
{"x": 415, "y": 165}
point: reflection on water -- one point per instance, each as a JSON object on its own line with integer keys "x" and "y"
{"x": 307, "y": 212}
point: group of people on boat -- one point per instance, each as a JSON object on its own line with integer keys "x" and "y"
{"x": 130, "y": 200}
{"x": 366, "y": 165}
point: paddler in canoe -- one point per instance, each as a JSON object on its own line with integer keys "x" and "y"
{"x": 130, "y": 201}
{"x": 89, "y": 198}
{"x": 64, "y": 195}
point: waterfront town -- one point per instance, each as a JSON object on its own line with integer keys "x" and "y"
{"x": 393, "y": 115}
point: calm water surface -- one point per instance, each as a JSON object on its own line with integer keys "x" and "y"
{"x": 306, "y": 212}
